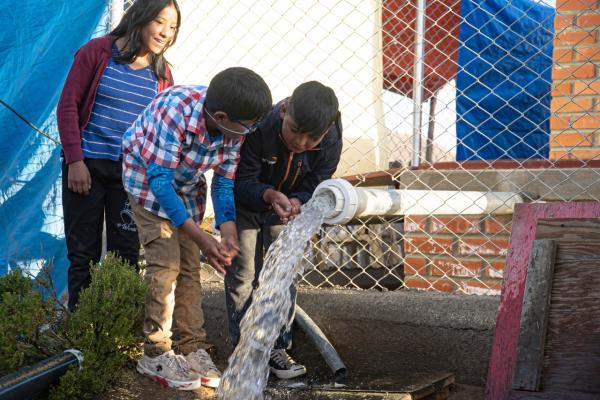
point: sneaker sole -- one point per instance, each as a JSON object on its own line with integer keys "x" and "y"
{"x": 210, "y": 382}
{"x": 164, "y": 382}
{"x": 287, "y": 374}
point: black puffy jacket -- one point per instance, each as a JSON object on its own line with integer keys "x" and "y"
{"x": 267, "y": 163}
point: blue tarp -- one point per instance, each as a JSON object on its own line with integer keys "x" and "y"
{"x": 504, "y": 80}
{"x": 37, "y": 44}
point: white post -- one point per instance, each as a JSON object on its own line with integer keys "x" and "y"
{"x": 117, "y": 8}
{"x": 418, "y": 82}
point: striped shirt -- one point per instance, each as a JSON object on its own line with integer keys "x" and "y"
{"x": 171, "y": 133}
{"x": 122, "y": 95}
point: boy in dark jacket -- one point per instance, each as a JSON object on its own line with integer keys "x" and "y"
{"x": 295, "y": 147}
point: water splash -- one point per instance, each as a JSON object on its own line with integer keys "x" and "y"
{"x": 247, "y": 374}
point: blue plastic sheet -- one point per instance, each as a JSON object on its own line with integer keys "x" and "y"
{"x": 504, "y": 80}
{"x": 37, "y": 44}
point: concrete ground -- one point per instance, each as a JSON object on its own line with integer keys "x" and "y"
{"x": 387, "y": 340}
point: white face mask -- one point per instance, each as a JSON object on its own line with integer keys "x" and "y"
{"x": 247, "y": 129}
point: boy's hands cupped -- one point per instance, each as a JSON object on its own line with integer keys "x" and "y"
{"x": 229, "y": 240}
{"x": 230, "y": 247}
{"x": 214, "y": 252}
{"x": 287, "y": 209}
{"x": 296, "y": 207}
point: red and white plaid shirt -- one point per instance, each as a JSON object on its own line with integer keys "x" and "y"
{"x": 171, "y": 132}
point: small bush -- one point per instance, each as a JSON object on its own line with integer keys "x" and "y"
{"x": 23, "y": 315}
{"x": 105, "y": 327}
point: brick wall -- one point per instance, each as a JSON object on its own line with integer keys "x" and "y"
{"x": 575, "y": 120}
{"x": 456, "y": 253}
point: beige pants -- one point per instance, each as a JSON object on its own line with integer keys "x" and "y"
{"x": 172, "y": 269}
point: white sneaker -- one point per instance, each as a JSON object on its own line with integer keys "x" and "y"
{"x": 169, "y": 370}
{"x": 283, "y": 366}
{"x": 200, "y": 362}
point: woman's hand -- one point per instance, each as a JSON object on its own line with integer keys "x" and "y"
{"x": 79, "y": 179}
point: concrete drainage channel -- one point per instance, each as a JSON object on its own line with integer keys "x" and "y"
{"x": 395, "y": 345}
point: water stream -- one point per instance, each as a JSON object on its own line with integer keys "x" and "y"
{"x": 248, "y": 370}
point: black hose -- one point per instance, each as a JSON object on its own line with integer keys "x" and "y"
{"x": 33, "y": 380}
{"x": 316, "y": 335}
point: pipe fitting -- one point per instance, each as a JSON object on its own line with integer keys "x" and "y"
{"x": 350, "y": 202}
{"x": 344, "y": 198}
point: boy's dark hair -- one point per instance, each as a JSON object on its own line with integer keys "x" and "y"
{"x": 137, "y": 16}
{"x": 314, "y": 107}
{"x": 239, "y": 92}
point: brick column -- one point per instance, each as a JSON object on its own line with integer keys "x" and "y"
{"x": 575, "y": 120}
{"x": 450, "y": 253}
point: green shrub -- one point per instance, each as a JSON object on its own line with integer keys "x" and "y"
{"x": 105, "y": 327}
{"x": 23, "y": 316}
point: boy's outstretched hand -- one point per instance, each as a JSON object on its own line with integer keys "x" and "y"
{"x": 287, "y": 209}
{"x": 214, "y": 253}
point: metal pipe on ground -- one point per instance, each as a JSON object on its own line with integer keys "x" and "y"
{"x": 351, "y": 202}
{"x": 35, "y": 379}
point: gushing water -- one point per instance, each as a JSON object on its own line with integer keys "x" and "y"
{"x": 247, "y": 373}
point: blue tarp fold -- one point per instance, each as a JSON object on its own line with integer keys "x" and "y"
{"x": 37, "y": 44}
{"x": 504, "y": 79}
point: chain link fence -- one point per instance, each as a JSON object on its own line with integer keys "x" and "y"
{"x": 494, "y": 96}
{"x": 436, "y": 95}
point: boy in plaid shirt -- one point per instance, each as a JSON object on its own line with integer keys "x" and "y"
{"x": 183, "y": 133}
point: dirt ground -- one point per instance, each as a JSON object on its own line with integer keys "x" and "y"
{"x": 133, "y": 386}
{"x": 382, "y": 350}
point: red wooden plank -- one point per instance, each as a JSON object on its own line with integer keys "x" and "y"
{"x": 504, "y": 349}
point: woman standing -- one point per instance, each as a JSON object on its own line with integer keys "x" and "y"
{"x": 112, "y": 79}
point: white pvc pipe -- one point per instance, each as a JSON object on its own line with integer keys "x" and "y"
{"x": 350, "y": 202}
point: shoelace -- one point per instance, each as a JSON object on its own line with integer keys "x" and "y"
{"x": 282, "y": 358}
{"x": 205, "y": 360}
{"x": 178, "y": 363}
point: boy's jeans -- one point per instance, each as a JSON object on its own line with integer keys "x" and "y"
{"x": 256, "y": 232}
{"x": 172, "y": 269}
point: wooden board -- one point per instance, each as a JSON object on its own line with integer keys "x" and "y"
{"x": 504, "y": 348}
{"x": 430, "y": 387}
{"x": 520, "y": 395}
{"x": 571, "y": 368}
{"x": 572, "y": 354}
{"x": 534, "y": 316}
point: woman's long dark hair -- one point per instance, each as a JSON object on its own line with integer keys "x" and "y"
{"x": 140, "y": 14}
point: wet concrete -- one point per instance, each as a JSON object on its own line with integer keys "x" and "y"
{"x": 133, "y": 386}
{"x": 387, "y": 340}
{"x": 384, "y": 337}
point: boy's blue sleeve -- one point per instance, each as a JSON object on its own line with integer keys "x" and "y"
{"x": 222, "y": 197}
{"x": 160, "y": 180}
